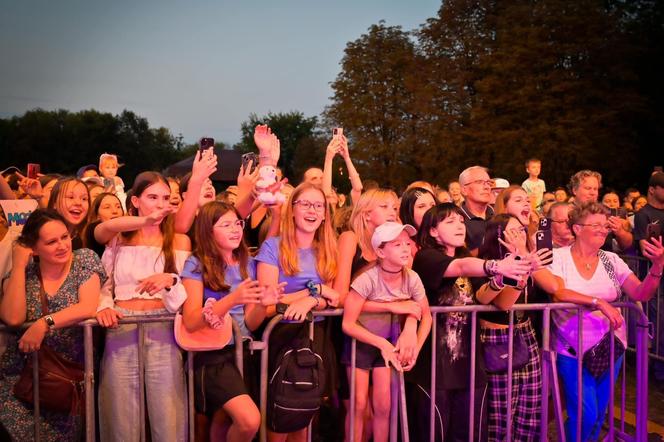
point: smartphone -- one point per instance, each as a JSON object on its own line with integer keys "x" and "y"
{"x": 252, "y": 158}
{"x": 281, "y": 309}
{"x": 654, "y": 230}
{"x": 33, "y": 170}
{"x": 544, "y": 224}
{"x": 543, "y": 239}
{"x": 509, "y": 281}
{"x": 205, "y": 143}
{"x": 620, "y": 212}
{"x": 337, "y": 131}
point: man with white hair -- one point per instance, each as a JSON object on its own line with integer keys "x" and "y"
{"x": 476, "y": 190}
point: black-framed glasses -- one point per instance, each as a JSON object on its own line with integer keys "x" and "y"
{"x": 306, "y": 205}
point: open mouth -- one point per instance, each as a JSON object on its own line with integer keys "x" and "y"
{"x": 76, "y": 213}
{"x": 311, "y": 219}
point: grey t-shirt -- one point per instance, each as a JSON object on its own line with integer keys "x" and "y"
{"x": 370, "y": 286}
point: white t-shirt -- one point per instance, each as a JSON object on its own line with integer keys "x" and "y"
{"x": 535, "y": 190}
{"x": 595, "y": 324}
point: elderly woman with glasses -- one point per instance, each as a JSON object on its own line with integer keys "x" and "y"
{"x": 593, "y": 278}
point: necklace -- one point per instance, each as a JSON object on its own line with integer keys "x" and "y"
{"x": 587, "y": 265}
{"x": 389, "y": 271}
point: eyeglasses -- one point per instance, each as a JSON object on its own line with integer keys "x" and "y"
{"x": 596, "y": 226}
{"x": 483, "y": 183}
{"x": 306, "y": 205}
{"x": 228, "y": 225}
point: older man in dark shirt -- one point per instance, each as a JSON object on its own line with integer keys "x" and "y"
{"x": 476, "y": 190}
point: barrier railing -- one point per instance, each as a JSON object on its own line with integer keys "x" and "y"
{"x": 549, "y": 375}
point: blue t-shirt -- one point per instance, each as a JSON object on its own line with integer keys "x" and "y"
{"x": 232, "y": 277}
{"x": 269, "y": 254}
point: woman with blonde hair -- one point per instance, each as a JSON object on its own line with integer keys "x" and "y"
{"x": 303, "y": 260}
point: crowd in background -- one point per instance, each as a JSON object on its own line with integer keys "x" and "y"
{"x": 260, "y": 247}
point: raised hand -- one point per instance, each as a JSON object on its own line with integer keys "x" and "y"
{"x": 540, "y": 259}
{"x": 653, "y": 249}
{"x": 32, "y": 187}
{"x": 205, "y": 164}
{"x": 272, "y": 294}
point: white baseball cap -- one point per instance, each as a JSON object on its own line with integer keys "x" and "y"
{"x": 500, "y": 183}
{"x": 388, "y": 231}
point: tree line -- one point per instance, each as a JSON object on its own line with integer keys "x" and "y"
{"x": 576, "y": 84}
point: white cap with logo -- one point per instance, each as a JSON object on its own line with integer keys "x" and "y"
{"x": 388, "y": 231}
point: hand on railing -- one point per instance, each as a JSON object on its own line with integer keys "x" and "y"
{"x": 406, "y": 348}
{"x": 297, "y": 311}
{"x": 612, "y": 313}
{"x": 109, "y": 317}
{"x": 410, "y": 308}
{"x": 390, "y": 355}
{"x": 33, "y": 337}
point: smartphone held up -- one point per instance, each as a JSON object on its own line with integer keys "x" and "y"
{"x": 205, "y": 143}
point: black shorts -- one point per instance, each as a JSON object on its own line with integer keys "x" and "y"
{"x": 216, "y": 380}
{"x": 366, "y": 356}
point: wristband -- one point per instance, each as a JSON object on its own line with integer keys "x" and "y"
{"x": 176, "y": 280}
{"x": 655, "y": 275}
{"x": 494, "y": 285}
{"x": 490, "y": 267}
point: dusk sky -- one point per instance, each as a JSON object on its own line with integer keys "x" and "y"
{"x": 197, "y": 68}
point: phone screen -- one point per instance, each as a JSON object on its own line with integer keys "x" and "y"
{"x": 33, "y": 170}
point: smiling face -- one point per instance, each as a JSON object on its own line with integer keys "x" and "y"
{"x": 73, "y": 203}
{"x": 309, "y": 210}
{"x": 54, "y": 243}
{"x": 519, "y": 205}
{"x": 155, "y": 197}
{"x": 450, "y": 232}
{"x": 396, "y": 253}
{"x": 592, "y": 230}
{"x": 109, "y": 208}
{"x": 228, "y": 231}
{"x": 422, "y": 204}
{"x": 588, "y": 190}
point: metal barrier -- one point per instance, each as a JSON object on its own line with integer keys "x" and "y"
{"x": 549, "y": 375}
{"x": 653, "y": 308}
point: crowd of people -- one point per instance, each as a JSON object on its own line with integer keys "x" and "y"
{"x": 262, "y": 247}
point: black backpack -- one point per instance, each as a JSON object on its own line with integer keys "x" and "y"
{"x": 296, "y": 387}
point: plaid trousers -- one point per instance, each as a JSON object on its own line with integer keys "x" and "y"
{"x": 526, "y": 390}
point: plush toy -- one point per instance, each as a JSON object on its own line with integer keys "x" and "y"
{"x": 268, "y": 156}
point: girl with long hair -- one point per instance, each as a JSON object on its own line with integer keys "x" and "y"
{"x": 220, "y": 278}
{"x": 145, "y": 261}
{"x": 304, "y": 255}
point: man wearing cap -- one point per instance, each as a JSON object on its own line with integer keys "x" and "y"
{"x": 476, "y": 190}
{"x": 498, "y": 185}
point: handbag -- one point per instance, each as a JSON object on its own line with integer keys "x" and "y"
{"x": 496, "y": 355}
{"x": 61, "y": 381}
{"x": 597, "y": 358}
{"x": 204, "y": 339}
